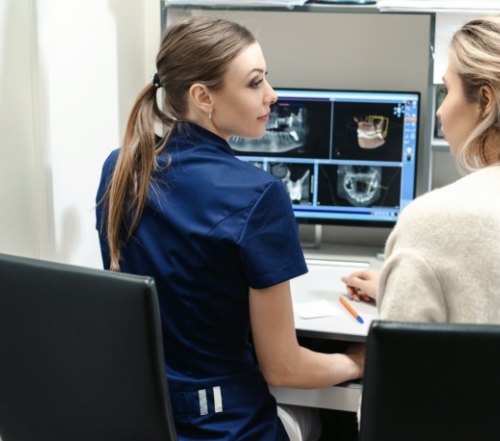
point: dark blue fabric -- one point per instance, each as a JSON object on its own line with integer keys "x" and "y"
{"x": 214, "y": 226}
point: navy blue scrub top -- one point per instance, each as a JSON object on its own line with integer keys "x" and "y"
{"x": 213, "y": 226}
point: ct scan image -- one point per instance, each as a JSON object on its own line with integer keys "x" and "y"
{"x": 359, "y": 186}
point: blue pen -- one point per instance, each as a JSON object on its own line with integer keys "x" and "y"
{"x": 354, "y": 313}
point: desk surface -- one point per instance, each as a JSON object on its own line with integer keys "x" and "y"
{"x": 322, "y": 283}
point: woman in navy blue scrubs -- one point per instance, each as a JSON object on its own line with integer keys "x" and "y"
{"x": 217, "y": 234}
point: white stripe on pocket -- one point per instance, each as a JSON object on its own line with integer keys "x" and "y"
{"x": 217, "y": 399}
{"x": 202, "y": 397}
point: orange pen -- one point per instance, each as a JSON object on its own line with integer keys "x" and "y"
{"x": 348, "y": 306}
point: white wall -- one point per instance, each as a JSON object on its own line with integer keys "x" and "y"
{"x": 69, "y": 73}
{"x": 19, "y": 175}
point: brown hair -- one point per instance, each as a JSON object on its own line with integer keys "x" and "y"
{"x": 475, "y": 55}
{"x": 197, "y": 50}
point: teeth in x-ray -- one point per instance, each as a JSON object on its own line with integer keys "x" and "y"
{"x": 360, "y": 185}
{"x": 295, "y": 188}
{"x": 283, "y": 133}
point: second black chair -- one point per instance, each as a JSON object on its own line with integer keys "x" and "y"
{"x": 431, "y": 382}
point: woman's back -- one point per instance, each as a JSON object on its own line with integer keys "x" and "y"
{"x": 205, "y": 236}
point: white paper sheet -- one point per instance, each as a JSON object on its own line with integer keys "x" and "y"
{"x": 316, "y": 309}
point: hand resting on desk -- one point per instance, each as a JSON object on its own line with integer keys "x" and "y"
{"x": 362, "y": 285}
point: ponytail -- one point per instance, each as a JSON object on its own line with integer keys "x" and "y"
{"x": 128, "y": 189}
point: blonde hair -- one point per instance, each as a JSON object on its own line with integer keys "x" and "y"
{"x": 475, "y": 55}
{"x": 196, "y": 50}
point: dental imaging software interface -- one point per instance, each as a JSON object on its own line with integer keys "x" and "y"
{"x": 343, "y": 156}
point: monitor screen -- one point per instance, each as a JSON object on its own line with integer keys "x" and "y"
{"x": 345, "y": 157}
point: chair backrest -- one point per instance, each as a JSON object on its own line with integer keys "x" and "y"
{"x": 429, "y": 382}
{"x": 81, "y": 355}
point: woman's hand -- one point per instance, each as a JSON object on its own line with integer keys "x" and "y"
{"x": 362, "y": 285}
{"x": 356, "y": 352}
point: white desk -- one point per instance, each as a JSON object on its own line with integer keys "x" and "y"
{"x": 322, "y": 282}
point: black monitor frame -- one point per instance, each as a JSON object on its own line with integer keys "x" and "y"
{"x": 322, "y": 155}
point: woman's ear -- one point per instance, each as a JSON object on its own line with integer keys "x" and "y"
{"x": 486, "y": 99}
{"x": 201, "y": 97}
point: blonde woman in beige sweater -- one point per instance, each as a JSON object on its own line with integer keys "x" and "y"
{"x": 443, "y": 257}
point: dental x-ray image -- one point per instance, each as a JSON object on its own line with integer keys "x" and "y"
{"x": 297, "y": 180}
{"x": 359, "y": 186}
{"x": 368, "y": 131}
{"x": 295, "y": 128}
{"x": 286, "y": 130}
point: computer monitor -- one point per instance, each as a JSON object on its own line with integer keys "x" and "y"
{"x": 345, "y": 157}
{"x": 81, "y": 355}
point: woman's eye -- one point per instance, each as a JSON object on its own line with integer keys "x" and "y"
{"x": 256, "y": 83}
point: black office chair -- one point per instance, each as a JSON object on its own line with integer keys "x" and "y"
{"x": 81, "y": 355}
{"x": 430, "y": 382}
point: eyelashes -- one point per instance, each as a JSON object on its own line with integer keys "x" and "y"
{"x": 256, "y": 83}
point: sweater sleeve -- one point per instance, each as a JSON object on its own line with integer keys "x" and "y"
{"x": 410, "y": 290}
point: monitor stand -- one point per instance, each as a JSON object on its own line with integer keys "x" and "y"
{"x": 316, "y": 242}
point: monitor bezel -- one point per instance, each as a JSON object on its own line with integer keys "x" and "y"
{"x": 359, "y": 222}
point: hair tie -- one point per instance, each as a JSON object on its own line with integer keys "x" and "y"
{"x": 156, "y": 81}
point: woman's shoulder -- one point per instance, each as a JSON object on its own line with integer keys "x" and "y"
{"x": 449, "y": 213}
{"x": 468, "y": 193}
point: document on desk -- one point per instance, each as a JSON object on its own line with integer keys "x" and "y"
{"x": 318, "y": 312}
{"x": 316, "y": 309}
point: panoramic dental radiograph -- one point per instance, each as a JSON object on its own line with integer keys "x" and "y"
{"x": 286, "y": 130}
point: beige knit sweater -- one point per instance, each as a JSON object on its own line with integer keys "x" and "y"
{"x": 443, "y": 257}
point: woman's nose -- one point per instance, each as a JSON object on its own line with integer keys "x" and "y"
{"x": 273, "y": 98}
{"x": 271, "y": 95}
{"x": 438, "y": 111}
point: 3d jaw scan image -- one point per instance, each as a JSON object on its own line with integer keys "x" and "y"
{"x": 372, "y": 131}
{"x": 368, "y": 131}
